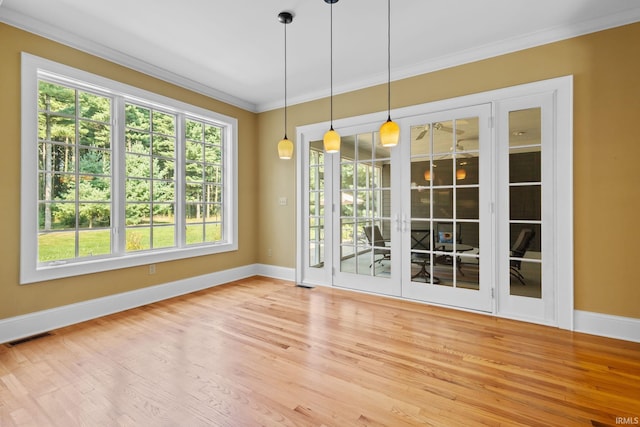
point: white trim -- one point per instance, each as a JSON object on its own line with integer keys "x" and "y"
{"x": 30, "y": 270}
{"x": 67, "y": 38}
{"x": 563, "y": 89}
{"x": 490, "y": 50}
{"x": 46, "y": 320}
{"x": 276, "y": 272}
{"x": 13, "y": 328}
{"x": 607, "y": 325}
{"x": 479, "y": 53}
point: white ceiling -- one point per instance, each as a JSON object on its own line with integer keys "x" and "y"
{"x": 234, "y": 50}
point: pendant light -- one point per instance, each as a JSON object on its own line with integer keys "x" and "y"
{"x": 285, "y": 147}
{"x": 389, "y": 131}
{"x": 331, "y": 138}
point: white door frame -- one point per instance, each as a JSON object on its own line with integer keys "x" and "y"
{"x": 562, "y": 89}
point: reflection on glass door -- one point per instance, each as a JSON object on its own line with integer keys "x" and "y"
{"x": 444, "y": 203}
{"x": 525, "y": 203}
{"x": 444, "y": 223}
{"x": 316, "y": 206}
{"x": 525, "y": 213}
{"x": 364, "y": 256}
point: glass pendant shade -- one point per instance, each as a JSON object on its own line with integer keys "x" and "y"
{"x": 427, "y": 175}
{"x": 461, "y": 173}
{"x": 285, "y": 149}
{"x": 331, "y": 141}
{"x": 389, "y": 133}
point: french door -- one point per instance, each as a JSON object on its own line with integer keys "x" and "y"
{"x": 446, "y": 208}
{"x": 349, "y": 225}
{"x": 366, "y": 249}
{"x": 472, "y": 209}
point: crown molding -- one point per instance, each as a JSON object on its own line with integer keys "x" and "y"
{"x": 491, "y": 50}
{"x": 487, "y": 51}
{"x": 56, "y": 34}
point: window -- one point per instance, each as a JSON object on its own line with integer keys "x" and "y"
{"x": 113, "y": 176}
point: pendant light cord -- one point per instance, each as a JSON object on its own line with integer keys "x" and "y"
{"x": 331, "y": 63}
{"x": 388, "y": 60}
{"x": 285, "y": 81}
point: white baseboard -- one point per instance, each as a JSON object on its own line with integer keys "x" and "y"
{"x": 606, "y": 325}
{"x": 283, "y": 273}
{"x": 14, "y": 328}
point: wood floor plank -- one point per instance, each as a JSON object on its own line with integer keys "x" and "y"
{"x": 262, "y": 352}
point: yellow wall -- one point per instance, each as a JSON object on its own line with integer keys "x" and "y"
{"x": 606, "y": 107}
{"x": 606, "y": 153}
{"x": 16, "y": 299}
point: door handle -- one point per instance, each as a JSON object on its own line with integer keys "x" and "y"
{"x": 398, "y": 223}
{"x": 405, "y": 222}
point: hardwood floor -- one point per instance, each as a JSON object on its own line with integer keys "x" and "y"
{"x": 264, "y": 352}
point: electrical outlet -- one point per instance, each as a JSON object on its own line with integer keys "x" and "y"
{"x": 269, "y": 252}
{"x": 152, "y": 269}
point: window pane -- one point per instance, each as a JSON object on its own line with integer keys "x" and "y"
{"x": 54, "y": 98}
{"x": 56, "y": 246}
{"x": 137, "y": 142}
{"x": 212, "y": 154}
{"x": 94, "y": 242}
{"x": 443, "y": 137}
{"x": 193, "y": 130}
{"x": 56, "y": 128}
{"x": 163, "y": 236}
{"x": 525, "y": 127}
{"x": 213, "y": 134}
{"x": 442, "y": 173}
{"x": 164, "y": 169}
{"x": 420, "y": 203}
{"x": 164, "y": 123}
{"x": 163, "y": 191}
{"x": 443, "y": 203}
{"x": 467, "y": 132}
{"x": 94, "y": 161}
{"x": 95, "y": 134}
{"x": 194, "y": 233}
{"x": 138, "y": 117}
{"x": 138, "y": 166}
{"x": 525, "y": 202}
{"x": 213, "y": 232}
{"x": 138, "y": 189}
{"x": 138, "y": 239}
{"x": 467, "y": 203}
{"x": 525, "y": 164}
{"x": 73, "y": 175}
{"x": 194, "y": 211}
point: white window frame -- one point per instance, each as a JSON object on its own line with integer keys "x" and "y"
{"x": 31, "y": 271}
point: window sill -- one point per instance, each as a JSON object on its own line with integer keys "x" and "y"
{"x": 31, "y": 272}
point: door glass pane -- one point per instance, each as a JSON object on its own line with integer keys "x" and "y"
{"x": 443, "y": 137}
{"x": 316, "y": 205}
{"x": 445, "y": 203}
{"x": 365, "y": 206}
{"x": 467, "y": 169}
{"x": 525, "y": 203}
{"x": 467, "y": 131}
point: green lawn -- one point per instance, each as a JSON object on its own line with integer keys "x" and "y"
{"x": 61, "y": 245}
